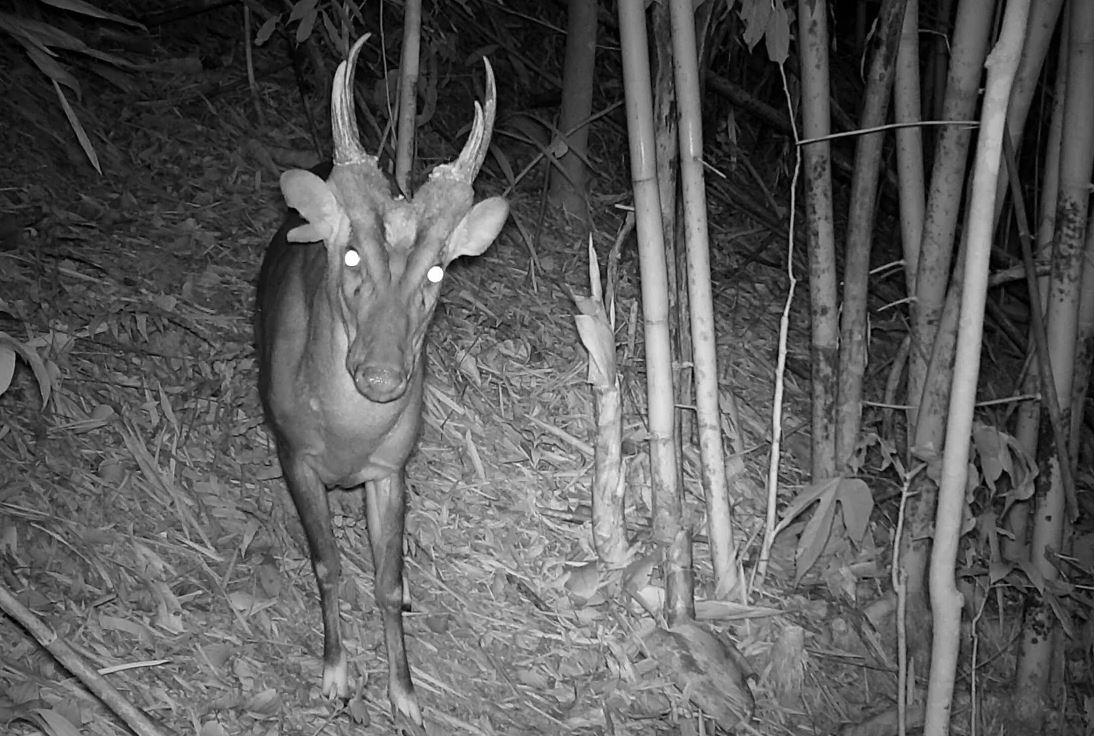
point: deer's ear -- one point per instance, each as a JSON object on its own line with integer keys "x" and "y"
{"x": 478, "y": 228}
{"x": 313, "y": 199}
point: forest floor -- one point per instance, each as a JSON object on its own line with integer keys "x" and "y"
{"x": 142, "y": 512}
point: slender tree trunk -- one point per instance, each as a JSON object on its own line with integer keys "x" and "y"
{"x": 670, "y": 532}
{"x": 928, "y": 390}
{"x": 408, "y": 93}
{"x": 939, "y": 61}
{"x": 1085, "y": 349}
{"x": 945, "y": 599}
{"x": 1040, "y": 628}
{"x": 667, "y": 145}
{"x": 1043, "y": 17}
{"x": 820, "y": 232}
{"x": 704, "y": 356}
{"x": 944, "y": 200}
{"x": 852, "y": 365}
{"x": 568, "y": 179}
{"x": 1028, "y": 422}
{"x": 908, "y": 108}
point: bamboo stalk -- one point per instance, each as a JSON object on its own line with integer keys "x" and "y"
{"x": 701, "y": 300}
{"x": 670, "y": 534}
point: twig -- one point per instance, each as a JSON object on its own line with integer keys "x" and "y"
{"x": 132, "y": 716}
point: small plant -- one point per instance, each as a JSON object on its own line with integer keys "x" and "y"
{"x": 41, "y": 29}
{"x": 9, "y": 349}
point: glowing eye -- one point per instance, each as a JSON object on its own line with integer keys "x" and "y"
{"x": 352, "y": 258}
{"x": 435, "y": 274}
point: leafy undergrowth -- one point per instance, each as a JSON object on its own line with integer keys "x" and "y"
{"x": 143, "y": 517}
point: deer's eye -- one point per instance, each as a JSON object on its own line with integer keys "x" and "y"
{"x": 351, "y": 258}
{"x": 435, "y": 274}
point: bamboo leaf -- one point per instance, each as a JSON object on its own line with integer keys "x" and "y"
{"x": 84, "y": 8}
{"x": 9, "y": 347}
{"x": 41, "y": 34}
{"x": 815, "y": 535}
{"x": 108, "y": 58}
{"x": 303, "y": 31}
{"x": 755, "y": 17}
{"x": 302, "y": 9}
{"x": 266, "y": 30}
{"x": 777, "y": 34}
{"x": 805, "y": 499}
{"x": 78, "y": 129}
{"x": 52, "y": 68}
{"x": 121, "y": 80}
{"x": 7, "y": 366}
{"x": 56, "y": 724}
{"x": 856, "y": 504}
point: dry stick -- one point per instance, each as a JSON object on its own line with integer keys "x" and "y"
{"x": 250, "y": 63}
{"x": 1040, "y": 337}
{"x": 780, "y": 371}
{"x": 611, "y": 271}
{"x": 132, "y": 716}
